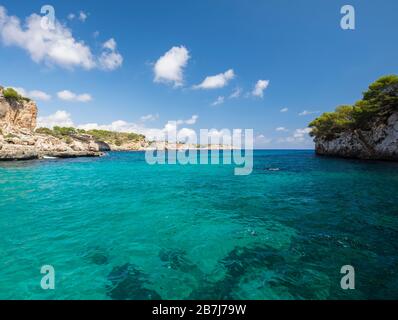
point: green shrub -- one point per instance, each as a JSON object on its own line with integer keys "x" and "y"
{"x": 10, "y": 136}
{"x": 68, "y": 140}
{"x": 117, "y": 138}
{"x": 64, "y": 131}
{"x": 379, "y": 101}
{"x": 44, "y": 131}
{"x": 11, "y": 94}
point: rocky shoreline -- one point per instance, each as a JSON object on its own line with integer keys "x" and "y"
{"x": 379, "y": 143}
{"x": 366, "y": 130}
{"x": 21, "y": 140}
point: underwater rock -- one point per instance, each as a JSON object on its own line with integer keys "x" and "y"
{"x": 128, "y": 283}
{"x": 177, "y": 260}
{"x": 237, "y": 264}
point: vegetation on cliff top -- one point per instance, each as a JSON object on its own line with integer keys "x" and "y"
{"x": 11, "y": 94}
{"x": 377, "y": 104}
{"x": 110, "y": 137}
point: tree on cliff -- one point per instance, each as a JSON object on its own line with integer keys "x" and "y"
{"x": 12, "y": 94}
{"x": 377, "y": 104}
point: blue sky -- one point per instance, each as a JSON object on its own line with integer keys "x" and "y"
{"x": 101, "y": 68}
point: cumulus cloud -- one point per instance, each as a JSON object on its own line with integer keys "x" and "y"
{"x": 260, "y": 87}
{"x": 60, "y": 118}
{"x": 157, "y": 134}
{"x": 299, "y": 135}
{"x": 149, "y": 117}
{"x": 82, "y": 16}
{"x": 236, "y": 93}
{"x": 217, "y": 81}
{"x": 189, "y": 121}
{"x": 33, "y": 94}
{"x": 169, "y": 68}
{"x": 219, "y": 100}
{"x": 110, "y": 59}
{"x": 222, "y": 136}
{"x": 192, "y": 120}
{"x": 281, "y": 129}
{"x": 171, "y": 131}
{"x": 284, "y": 110}
{"x": 306, "y": 113}
{"x": 52, "y": 46}
{"x": 262, "y": 139}
{"x": 73, "y": 97}
{"x": 110, "y": 44}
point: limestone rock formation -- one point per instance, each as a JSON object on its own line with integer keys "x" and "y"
{"x": 378, "y": 143}
{"x": 19, "y": 141}
{"x": 17, "y": 114}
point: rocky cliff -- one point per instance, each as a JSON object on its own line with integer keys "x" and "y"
{"x": 19, "y": 141}
{"x": 378, "y": 143}
{"x": 366, "y": 130}
{"x": 17, "y": 114}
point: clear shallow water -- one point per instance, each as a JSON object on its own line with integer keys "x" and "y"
{"x": 117, "y": 228}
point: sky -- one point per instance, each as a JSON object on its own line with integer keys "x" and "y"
{"x": 267, "y": 65}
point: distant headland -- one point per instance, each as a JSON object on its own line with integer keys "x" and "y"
{"x": 366, "y": 130}
{"x": 20, "y": 139}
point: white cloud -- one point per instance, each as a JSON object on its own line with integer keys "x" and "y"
{"x": 110, "y": 44}
{"x": 33, "y": 94}
{"x": 39, "y": 95}
{"x": 219, "y": 100}
{"x": 71, "y": 96}
{"x": 281, "y": 129}
{"x": 299, "y": 135}
{"x": 82, "y": 16}
{"x": 192, "y": 120}
{"x": 284, "y": 110}
{"x": 52, "y": 46}
{"x": 236, "y": 93}
{"x": 306, "y": 113}
{"x": 259, "y": 88}
{"x": 217, "y": 81}
{"x": 261, "y": 139}
{"x": 60, "y": 118}
{"x": 150, "y": 117}
{"x": 170, "y": 67}
{"x": 222, "y": 136}
{"x": 110, "y": 59}
{"x": 158, "y": 134}
{"x": 186, "y": 135}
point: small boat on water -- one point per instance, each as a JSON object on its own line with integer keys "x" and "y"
{"x": 48, "y": 157}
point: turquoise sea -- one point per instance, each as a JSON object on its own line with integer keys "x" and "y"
{"x": 117, "y": 228}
